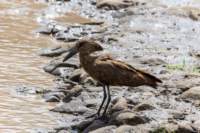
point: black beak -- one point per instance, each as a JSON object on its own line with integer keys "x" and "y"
{"x": 72, "y": 51}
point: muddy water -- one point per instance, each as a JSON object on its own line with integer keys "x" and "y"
{"x": 20, "y": 65}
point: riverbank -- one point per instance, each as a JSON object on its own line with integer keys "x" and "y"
{"x": 159, "y": 37}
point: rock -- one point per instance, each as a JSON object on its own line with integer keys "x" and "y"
{"x": 94, "y": 89}
{"x": 47, "y": 30}
{"x": 73, "y": 107}
{"x": 67, "y": 37}
{"x": 74, "y": 92}
{"x": 115, "y": 4}
{"x": 106, "y": 129}
{"x": 76, "y": 75}
{"x": 53, "y": 99}
{"x": 171, "y": 128}
{"x": 91, "y": 103}
{"x": 185, "y": 128}
{"x": 63, "y": 131}
{"x": 144, "y": 106}
{"x": 195, "y": 53}
{"x": 153, "y": 61}
{"x": 186, "y": 84}
{"x": 131, "y": 129}
{"x": 182, "y": 85}
{"x": 193, "y": 93}
{"x": 25, "y": 90}
{"x": 194, "y": 14}
{"x": 63, "y": 0}
{"x": 53, "y": 96}
{"x": 95, "y": 125}
{"x": 89, "y": 80}
{"x": 83, "y": 125}
{"x": 53, "y": 67}
{"x": 120, "y": 15}
{"x": 179, "y": 116}
{"x": 128, "y": 118}
{"x": 176, "y": 128}
{"x": 196, "y": 125}
{"x": 52, "y": 52}
{"x": 119, "y": 104}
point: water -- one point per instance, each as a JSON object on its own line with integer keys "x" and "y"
{"x": 21, "y": 65}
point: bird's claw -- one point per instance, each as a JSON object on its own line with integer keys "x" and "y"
{"x": 96, "y": 116}
{"x": 104, "y": 118}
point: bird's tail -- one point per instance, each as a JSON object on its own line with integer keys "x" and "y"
{"x": 150, "y": 79}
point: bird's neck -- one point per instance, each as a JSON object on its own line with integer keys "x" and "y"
{"x": 86, "y": 59}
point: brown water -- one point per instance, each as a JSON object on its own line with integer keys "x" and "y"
{"x": 20, "y": 65}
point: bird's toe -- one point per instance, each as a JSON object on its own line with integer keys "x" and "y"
{"x": 96, "y": 116}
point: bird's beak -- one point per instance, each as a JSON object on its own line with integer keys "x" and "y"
{"x": 72, "y": 51}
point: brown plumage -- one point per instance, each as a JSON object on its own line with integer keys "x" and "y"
{"x": 108, "y": 71}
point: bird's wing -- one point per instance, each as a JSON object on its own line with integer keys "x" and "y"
{"x": 107, "y": 59}
{"x": 124, "y": 66}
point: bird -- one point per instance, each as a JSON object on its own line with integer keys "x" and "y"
{"x": 108, "y": 71}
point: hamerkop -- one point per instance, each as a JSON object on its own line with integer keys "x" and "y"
{"x": 108, "y": 71}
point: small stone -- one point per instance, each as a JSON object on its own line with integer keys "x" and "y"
{"x": 194, "y": 15}
{"x": 47, "y": 30}
{"x": 193, "y": 93}
{"x": 128, "y": 118}
{"x": 197, "y": 125}
{"x": 95, "y": 125}
{"x": 179, "y": 116}
{"x": 119, "y": 104}
{"x": 89, "y": 81}
{"x": 114, "y": 4}
{"x": 53, "y": 96}
{"x": 106, "y": 129}
{"x": 176, "y": 128}
{"x": 185, "y": 128}
{"x": 75, "y": 76}
{"x": 91, "y": 103}
{"x": 144, "y": 106}
{"x": 153, "y": 62}
{"x": 184, "y": 85}
{"x": 171, "y": 128}
{"x": 94, "y": 89}
{"x": 83, "y": 125}
{"x": 131, "y": 129}
{"x": 74, "y": 92}
{"x": 67, "y": 37}
{"x": 73, "y": 107}
{"x": 53, "y": 99}
{"x": 63, "y": 131}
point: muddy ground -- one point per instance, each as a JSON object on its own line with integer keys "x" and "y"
{"x": 160, "y": 37}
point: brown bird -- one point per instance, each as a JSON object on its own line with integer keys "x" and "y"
{"x": 108, "y": 71}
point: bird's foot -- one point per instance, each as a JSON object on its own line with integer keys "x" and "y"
{"x": 104, "y": 118}
{"x": 96, "y": 116}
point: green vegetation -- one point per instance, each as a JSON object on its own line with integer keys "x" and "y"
{"x": 183, "y": 67}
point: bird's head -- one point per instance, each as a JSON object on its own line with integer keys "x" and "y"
{"x": 84, "y": 46}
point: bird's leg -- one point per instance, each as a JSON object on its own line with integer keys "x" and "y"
{"x": 108, "y": 102}
{"x": 104, "y": 98}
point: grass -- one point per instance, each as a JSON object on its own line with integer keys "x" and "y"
{"x": 183, "y": 67}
